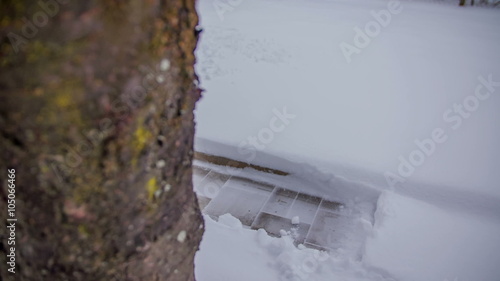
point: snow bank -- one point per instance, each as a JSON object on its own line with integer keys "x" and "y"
{"x": 230, "y": 252}
{"x": 414, "y": 241}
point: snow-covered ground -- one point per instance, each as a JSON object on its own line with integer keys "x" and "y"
{"x": 389, "y": 107}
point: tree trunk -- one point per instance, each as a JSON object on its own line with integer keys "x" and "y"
{"x": 96, "y": 118}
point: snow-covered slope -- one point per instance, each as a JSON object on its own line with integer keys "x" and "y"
{"x": 267, "y": 55}
{"x": 416, "y": 241}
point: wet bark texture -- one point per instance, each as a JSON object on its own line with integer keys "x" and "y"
{"x": 96, "y": 116}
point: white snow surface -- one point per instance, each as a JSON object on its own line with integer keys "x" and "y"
{"x": 275, "y": 54}
{"x": 352, "y": 123}
{"x": 416, "y": 241}
{"x": 230, "y": 252}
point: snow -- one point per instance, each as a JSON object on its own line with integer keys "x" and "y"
{"x": 366, "y": 113}
{"x": 416, "y": 241}
{"x": 230, "y": 252}
{"x": 403, "y": 133}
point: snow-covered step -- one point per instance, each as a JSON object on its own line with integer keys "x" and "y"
{"x": 312, "y": 221}
{"x": 241, "y": 199}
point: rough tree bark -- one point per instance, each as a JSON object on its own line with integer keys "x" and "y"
{"x": 96, "y": 117}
